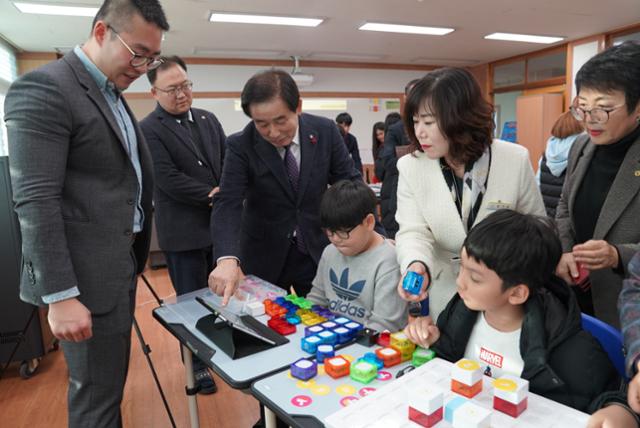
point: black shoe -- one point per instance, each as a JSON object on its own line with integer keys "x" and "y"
{"x": 205, "y": 381}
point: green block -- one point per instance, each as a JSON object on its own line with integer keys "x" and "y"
{"x": 421, "y": 356}
{"x": 290, "y": 297}
{"x": 363, "y": 371}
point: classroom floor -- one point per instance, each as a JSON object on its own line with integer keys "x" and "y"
{"x": 41, "y": 400}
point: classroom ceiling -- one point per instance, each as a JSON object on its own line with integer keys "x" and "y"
{"x": 338, "y": 37}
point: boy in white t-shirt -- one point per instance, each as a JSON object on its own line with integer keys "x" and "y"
{"x": 513, "y": 315}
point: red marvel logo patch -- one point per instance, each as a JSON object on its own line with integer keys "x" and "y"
{"x": 491, "y": 357}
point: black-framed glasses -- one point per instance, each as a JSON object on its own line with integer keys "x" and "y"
{"x": 342, "y": 234}
{"x": 598, "y": 115}
{"x": 138, "y": 60}
{"x": 175, "y": 90}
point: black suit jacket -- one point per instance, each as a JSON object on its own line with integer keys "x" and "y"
{"x": 352, "y": 147}
{"x": 256, "y": 211}
{"x": 75, "y": 188}
{"x": 183, "y": 180}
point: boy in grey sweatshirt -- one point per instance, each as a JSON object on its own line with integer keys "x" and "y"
{"x": 358, "y": 272}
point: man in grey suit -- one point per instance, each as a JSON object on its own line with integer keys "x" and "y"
{"x": 82, "y": 183}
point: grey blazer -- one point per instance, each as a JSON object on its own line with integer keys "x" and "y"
{"x": 74, "y": 187}
{"x": 618, "y": 223}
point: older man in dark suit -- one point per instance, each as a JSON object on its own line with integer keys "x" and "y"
{"x": 82, "y": 184}
{"x": 187, "y": 147}
{"x": 266, "y": 216}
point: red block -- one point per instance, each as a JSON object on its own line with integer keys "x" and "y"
{"x": 337, "y": 366}
{"x": 389, "y": 358}
{"x": 281, "y": 326}
{"x": 513, "y": 410}
{"x": 466, "y": 390}
{"x": 384, "y": 338}
{"x": 425, "y": 420}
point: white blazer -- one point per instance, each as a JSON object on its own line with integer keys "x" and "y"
{"x": 431, "y": 229}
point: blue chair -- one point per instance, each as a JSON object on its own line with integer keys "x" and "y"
{"x": 610, "y": 339}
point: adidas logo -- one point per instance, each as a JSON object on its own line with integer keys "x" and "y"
{"x": 342, "y": 287}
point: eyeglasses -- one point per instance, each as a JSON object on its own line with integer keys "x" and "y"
{"x": 139, "y": 60}
{"x": 175, "y": 90}
{"x": 598, "y": 115}
{"x": 342, "y": 234}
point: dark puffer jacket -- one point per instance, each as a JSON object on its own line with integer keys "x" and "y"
{"x": 562, "y": 362}
{"x": 387, "y": 171}
{"x": 550, "y": 187}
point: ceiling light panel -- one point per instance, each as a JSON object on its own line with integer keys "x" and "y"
{"x": 56, "y": 9}
{"x": 406, "y": 29}
{"x": 527, "y": 38}
{"x": 240, "y": 18}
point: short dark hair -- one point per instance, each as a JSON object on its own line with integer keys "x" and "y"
{"x": 520, "y": 248}
{"x": 464, "y": 117}
{"x": 392, "y": 118}
{"x": 267, "y": 85}
{"x": 344, "y": 118}
{"x": 375, "y": 144}
{"x": 346, "y": 204}
{"x": 167, "y": 62}
{"x": 118, "y": 13}
{"x": 410, "y": 85}
{"x": 615, "y": 69}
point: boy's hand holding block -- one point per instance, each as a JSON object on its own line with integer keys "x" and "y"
{"x": 466, "y": 378}
{"x": 510, "y": 395}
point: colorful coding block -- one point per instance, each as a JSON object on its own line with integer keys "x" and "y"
{"x": 312, "y": 330}
{"x": 402, "y": 344}
{"x": 373, "y": 359}
{"x": 323, "y": 352}
{"x": 328, "y": 325}
{"x": 466, "y": 378}
{"x": 310, "y": 344}
{"x": 384, "y": 339}
{"x": 412, "y": 283}
{"x": 426, "y": 406}
{"x": 343, "y": 334}
{"x": 363, "y": 371}
{"x": 341, "y": 320}
{"x": 510, "y": 395}
{"x": 328, "y": 337}
{"x": 254, "y": 308}
{"x": 281, "y": 326}
{"x": 336, "y": 367}
{"x": 389, "y": 356}
{"x": 354, "y": 327}
{"x": 451, "y": 407}
{"x": 304, "y": 369}
{"x": 470, "y": 415}
{"x": 421, "y": 356}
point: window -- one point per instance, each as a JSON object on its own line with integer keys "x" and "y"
{"x": 547, "y": 66}
{"x": 621, "y": 39}
{"x": 508, "y": 74}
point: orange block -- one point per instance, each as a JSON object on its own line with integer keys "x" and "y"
{"x": 466, "y": 390}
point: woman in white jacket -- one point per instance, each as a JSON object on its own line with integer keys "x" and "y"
{"x": 456, "y": 176}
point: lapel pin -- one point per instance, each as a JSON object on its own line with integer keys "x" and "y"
{"x": 202, "y": 117}
{"x": 312, "y": 138}
{"x": 637, "y": 173}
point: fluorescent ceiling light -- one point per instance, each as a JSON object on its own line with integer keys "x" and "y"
{"x": 239, "y": 18}
{"x": 56, "y": 9}
{"x": 239, "y": 53}
{"x": 409, "y": 29}
{"x": 523, "y": 38}
{"x": 345, "y": 56}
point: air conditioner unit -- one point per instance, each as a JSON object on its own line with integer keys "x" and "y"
{"x": 301, "y": 79}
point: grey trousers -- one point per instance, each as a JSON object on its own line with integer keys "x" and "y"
{"x": 98, "y": 367}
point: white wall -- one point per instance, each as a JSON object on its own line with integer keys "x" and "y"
{"x": 581, "y": 54}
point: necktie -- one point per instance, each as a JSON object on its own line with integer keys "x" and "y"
{"x": 293, "y": 172}
{"x": 292, "y": 168}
